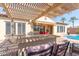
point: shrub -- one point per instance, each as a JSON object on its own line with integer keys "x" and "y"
{"x": 77, "y": 30}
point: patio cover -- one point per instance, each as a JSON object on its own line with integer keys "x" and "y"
{"x": 33, "y": 11}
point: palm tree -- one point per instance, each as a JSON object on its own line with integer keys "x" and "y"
{"x": 63, "y": 19}
{"x": 73, "y": 19}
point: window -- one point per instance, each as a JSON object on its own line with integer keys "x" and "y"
{"x": 21, "y": 28}
{"x": 14, "y": 28}
{"x": 38, "y": 28}
{"x": 60, "y": 28}
{"x": 8, "y": 28}
{"x": 64, "y": 28}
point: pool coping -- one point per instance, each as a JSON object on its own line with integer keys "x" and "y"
{"x": 71, "y": 40}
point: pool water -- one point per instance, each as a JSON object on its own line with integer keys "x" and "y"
{"x": 75, "y": 37}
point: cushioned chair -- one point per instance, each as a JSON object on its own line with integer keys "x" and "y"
{"x": 74, "y": 49}
{"x": 60, "y": 49}
{"x": 40, "y": 50}
{"x": 44, "y": 52}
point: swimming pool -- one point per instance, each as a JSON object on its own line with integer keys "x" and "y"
{"x": 75, "y": 37}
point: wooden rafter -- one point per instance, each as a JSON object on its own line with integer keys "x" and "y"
{"x": 49, "y": 9}
{"x": 34, "y": 11}
{"x": 31, "y": 6}
{"x": 22, "y": 10}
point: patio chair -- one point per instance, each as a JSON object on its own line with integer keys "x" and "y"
{"x": 44, "y": 52}
{"x": 74, "y": 49}
{"x": 61, "y": 49}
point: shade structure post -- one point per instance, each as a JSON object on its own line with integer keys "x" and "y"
{"x": 12, "y": 27}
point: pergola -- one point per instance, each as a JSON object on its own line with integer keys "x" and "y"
{"x": 33, "y": 11}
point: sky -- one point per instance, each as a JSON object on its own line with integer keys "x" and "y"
{"x": 68, "y": 16}
{"x": 2, "y": 11}
{"x": 58, "y": 18}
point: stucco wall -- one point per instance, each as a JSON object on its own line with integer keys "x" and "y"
{"x": 28, "y": 28}
{"x": 2, "y": 28}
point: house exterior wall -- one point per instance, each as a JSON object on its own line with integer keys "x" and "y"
{"x": 59, "y": 33}
{"x": 2, "y": 30}
{"x": 3, "y": 27}
{"x": 28, "y": 28}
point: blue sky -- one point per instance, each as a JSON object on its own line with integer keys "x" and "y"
{"x": 68, "y": 16}
{"x": 58, "y": 18}
{"x": 1, "y": 11}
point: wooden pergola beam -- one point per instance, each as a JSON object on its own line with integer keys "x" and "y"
{"x": 35, "y": 10}
{"x": 49, "y": 9}
{"x": 30, "y": 7}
